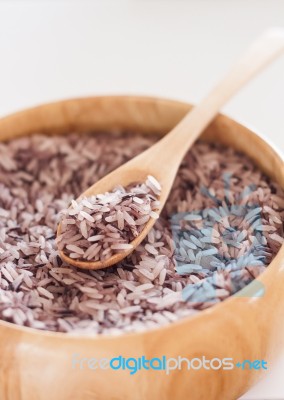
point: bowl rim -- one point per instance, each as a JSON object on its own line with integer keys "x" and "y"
{"x": 184, "y": 320}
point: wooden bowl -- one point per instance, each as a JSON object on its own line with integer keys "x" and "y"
{"x": 37, "y": 365}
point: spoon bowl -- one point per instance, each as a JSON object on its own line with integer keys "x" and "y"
{"x": 104, "y": 185}
{"x": 135, "y": 170}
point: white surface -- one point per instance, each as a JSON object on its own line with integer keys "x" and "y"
{"x": 56, "y": 49}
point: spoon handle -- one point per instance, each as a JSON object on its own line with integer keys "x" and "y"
{"x": 264, "y": 50}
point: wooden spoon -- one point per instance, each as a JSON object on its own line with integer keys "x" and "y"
{"x": 163, "y": 159}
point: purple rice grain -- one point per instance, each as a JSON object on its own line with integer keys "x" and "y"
{"x": 41, "y": 175}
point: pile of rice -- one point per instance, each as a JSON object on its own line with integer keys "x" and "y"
{"x": 97, "y": 227}
{"x": 40, "y": 175}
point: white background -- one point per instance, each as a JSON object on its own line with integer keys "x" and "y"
{"x": 57, "y": 49}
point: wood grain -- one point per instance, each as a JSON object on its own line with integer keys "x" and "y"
{"x": 37, "y": 365}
